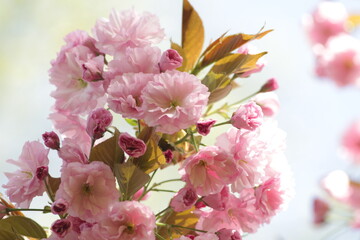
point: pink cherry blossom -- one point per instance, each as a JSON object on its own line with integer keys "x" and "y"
{"x": 72, "y": 92}
{"x": 173, "y": 101}
{"x": 72, "y": 126}
{"x": 23, "y": 184}
{"x": 248, "y": 151}
{"x": 320, "y": 210}
{"x": 127, "y": 29}
{"x": 125, "y": 95}
{"x": 170, "y": 60}
{"x": 340, "y": 60}
{"x": 219, "y": 200}
{"x": 125, "y": 220}
{"x": 240, "y": 214}
{"x": 248, "y": 116}
{"x": 228, "y": 234}
{"x": 133, "y": 146}
{"x": 269, "y": 103}
{"x": 88, "y": 188}
{"x": 184, "y": 199}
{"x": 72, "y": 152}
{"x": 270, "y": 197}
{"x": 351, "y": 142}
{"x": 209, "y": 170}
{"x": 98, "y": 120}
{"x": 134, "y": 60}
{"x": 329, "y": 19}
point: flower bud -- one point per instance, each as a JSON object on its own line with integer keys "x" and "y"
{"x": 203, "y": 126}
{"x": 51, "y": 140}
{"x": 92, "y": 69}
{"x": 268, "y": 102}
{"x": 321, "y": 209}
{"x": 97, "y": 122}
{"x": 168, "y": 156}
{"x": 59, "y": 207}
{"x": 42, "y": 172}
{"x": 270, "y": 85}
{"x": 248, "y": 116}
{"x": 134, "y": 147}
{"x": 61, "y": 227}
{"x": 139, "y": 193}
{"x": 170, "y": 60}
{"x": 184, "y": 199}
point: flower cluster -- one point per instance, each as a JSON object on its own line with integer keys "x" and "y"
{"x": 230, "y": 188}
{"x": 337, "y": 52}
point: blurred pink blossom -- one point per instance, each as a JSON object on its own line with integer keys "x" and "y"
{"x": 320, "y": 210}
{"x": 351, "y": 142}
{"x": 339, "y": 60}
{"x": 328, "y": 20}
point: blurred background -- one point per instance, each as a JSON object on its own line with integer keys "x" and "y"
{"x": 314, "y": 112}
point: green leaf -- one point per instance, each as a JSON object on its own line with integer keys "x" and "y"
{"x": 224, "y": 45}
{"x": 23, "y": 226}
{"x": 153, "y": 157}
{"x": 130, "y": 179}
{"x": 192, "y": 35}
{"x": 6, "y": 235}
{"x": 219, "y": 93}
{"x": 131, "y": 122}
{"x": 186, "y": 219}
{"x": 54, "y": 184}
{"x": 218, "y": 76}
{"x": 108, "y": 151}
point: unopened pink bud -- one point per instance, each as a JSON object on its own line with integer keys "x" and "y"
{"x": 321, "y": 209}
{"x": 134, "y": 147}
{"x": 170, "y": 60}
{"x": 248, "y": 116}
{"x": 200, "y": 204}
{"x": 60, "y": 206}
{"x": 42, "y": 172}
{"x": 270, "y": 85}
{"x": 168, "y": 156}
{"x": 139, "y": 193}
{"x": 61, "y": 227}
{"x": 51, "y": 140}
{"x": 93, "y": 69}
{"x": 97, "y": 122}
{"x": 203, "y": 126}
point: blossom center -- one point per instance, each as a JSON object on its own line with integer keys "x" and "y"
{"x": 29, "y": 174}
{"x": 130, "y": 228}
{"x": 82, "y": 83}
{"x": 86, "y": 188}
